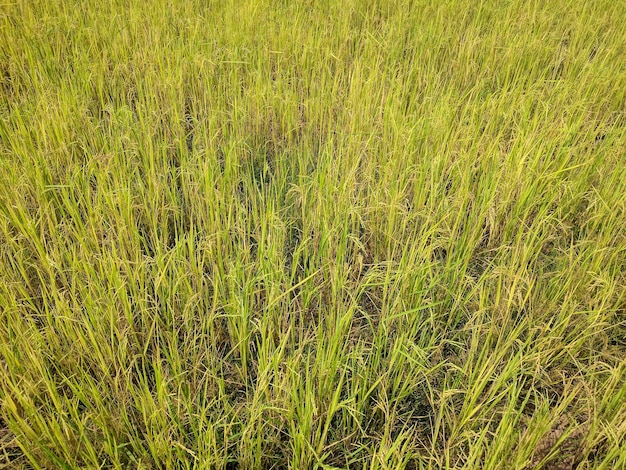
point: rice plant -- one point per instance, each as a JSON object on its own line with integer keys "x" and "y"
{"x": 355, "y": 234}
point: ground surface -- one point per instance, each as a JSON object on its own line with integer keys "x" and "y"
{"x": 297, "y": 234}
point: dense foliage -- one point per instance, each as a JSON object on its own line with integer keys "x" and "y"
{"x": 297, "y": 234}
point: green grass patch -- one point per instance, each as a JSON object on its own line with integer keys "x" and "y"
{"x": 312, "y": 235}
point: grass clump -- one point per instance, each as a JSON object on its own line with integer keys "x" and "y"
{"x": 358, "y": 234}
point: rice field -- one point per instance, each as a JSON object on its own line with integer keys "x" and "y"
{"x": 357, "y": 234}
